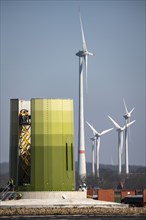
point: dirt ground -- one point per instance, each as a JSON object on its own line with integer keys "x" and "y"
{"x": 7, "y": 211}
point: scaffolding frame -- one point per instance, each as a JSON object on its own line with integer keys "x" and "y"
{"x": 24, "y": 148}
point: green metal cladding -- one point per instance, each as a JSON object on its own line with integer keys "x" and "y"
{"x": 52, "y": 144}
{"x": 52, "y": 149}
{"x": 14, "y": 128}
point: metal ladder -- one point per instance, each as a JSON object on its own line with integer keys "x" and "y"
{"x": 4, "y": 192}
{"x": 7, "y": 194}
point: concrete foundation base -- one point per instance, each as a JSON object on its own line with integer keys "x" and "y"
{"x": 81, "y": 195}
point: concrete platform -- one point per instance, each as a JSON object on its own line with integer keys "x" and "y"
{"x": 55, "y": 195}
{"x": 58, "y": 199}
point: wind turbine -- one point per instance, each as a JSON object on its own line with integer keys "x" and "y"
{"x": 120, "y": 131}
{"x": 93, "y": 139}
{"x": 98, "y": 135}
{"x": 83, "y": 55}
{"x": 127, "y": 117}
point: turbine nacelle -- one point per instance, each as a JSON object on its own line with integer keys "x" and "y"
{"x": 84, "y": 53}
{"x": 126, "y": 116}
{"x": 93, "y": 138}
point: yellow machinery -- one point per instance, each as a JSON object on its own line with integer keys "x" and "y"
{"x": 24, "y": 147}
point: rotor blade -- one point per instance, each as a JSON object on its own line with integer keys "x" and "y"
{"x": 104, "y": 132}
{"x": 129, "y": 134}
{"x": 125, "y": 106}
{"x": 83, "y": 37}
{"x": 115, "y": 123}
{"x": 129, "y": 131}
{"x": 130, "y": 123}
{"x": 91, "y": 54}
{"x": 93, "y": 129}
{"x": 131, "y": 111}
{"x": 86, "y": 66}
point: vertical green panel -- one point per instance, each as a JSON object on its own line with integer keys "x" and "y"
{"x": 52, "y": 129}
{"x": 37, "y": 149}
{"x": 13, "y": 153}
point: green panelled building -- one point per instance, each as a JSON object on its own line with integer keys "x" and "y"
{"x": 42, "y": 144}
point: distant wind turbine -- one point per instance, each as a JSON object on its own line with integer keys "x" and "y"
{"x": 120, "y": 131}
{"x": 83, "y": 55}
{"x": 93, "y": 139}
{"x": 127, "y": 117}
{"x": 98, "y": 135}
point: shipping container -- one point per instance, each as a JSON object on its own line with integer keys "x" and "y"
{"x": 144, "y": 197}
{"x": 127, "y": 193}
{"x": 106, "y": 195}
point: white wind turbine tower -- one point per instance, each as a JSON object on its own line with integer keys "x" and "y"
{"x": 98, "y": 135}
{"x": 93, "y": 139}
{"x": 83, "y": 55}
{"x": 120, "y": 131}
{"x": 127, "y": 117}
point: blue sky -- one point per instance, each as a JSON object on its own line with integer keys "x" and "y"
{"x": 39, "y": 40}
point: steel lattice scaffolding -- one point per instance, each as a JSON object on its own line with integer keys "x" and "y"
{"x": 24, "y": 147}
